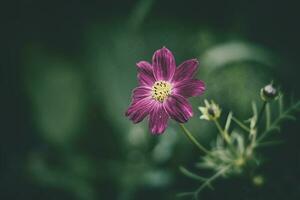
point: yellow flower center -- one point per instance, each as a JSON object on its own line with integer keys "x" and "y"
{"x": 161, "y": 90}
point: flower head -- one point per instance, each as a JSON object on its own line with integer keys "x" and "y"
{"x": 269, "y": 92}
{"x": 211, "y": 111}
{"x": 163, "y": 91}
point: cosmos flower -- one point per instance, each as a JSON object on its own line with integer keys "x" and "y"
{"x": 163, "y": 91}
{"x": 211, "y": 111}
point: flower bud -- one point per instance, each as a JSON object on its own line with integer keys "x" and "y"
{"x": 269, "y": 92}
{"x": 211, "y": 111}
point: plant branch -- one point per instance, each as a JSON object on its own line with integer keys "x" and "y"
{"x": 193, "y": 139}
{"x": 274, "y": 125}
{"x": 241, "y": 124}
{"x": 223, "y": 133}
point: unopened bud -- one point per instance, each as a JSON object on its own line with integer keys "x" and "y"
{"x": 269, "y": 92}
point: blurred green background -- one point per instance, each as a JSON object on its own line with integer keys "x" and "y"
{"x": 68, "y": 71}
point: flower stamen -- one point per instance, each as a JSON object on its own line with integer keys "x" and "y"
{"x": 161, "y": 90}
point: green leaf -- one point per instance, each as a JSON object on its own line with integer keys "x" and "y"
{"x": 228, "y": 121}
{"x": 184, "y": 194}
{"x": 191, "y": 174}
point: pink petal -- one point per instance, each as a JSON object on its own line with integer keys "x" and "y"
{"x": 145, "y": 75}
{"x": 178, "y": 108}
{"x": 189, "y": 88}
{"x": 158, "y": 120}
{"x": 164, "y": 65}
{"x": 139, "y": 109}
{"x": 186, "y": 70}
{"x": 141, "y": 92}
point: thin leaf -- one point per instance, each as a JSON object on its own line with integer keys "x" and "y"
{"x": 190, "y": 174}
{"x": 270, "y": 143}
{"x": 228, "y": 121}
{"x": 289, "y": 117}
{"x": 184, "y": 194}
{"x": 208, "y": 182}
{"x": 241, "y": 124}
{"x": 275, "y": 124}
{"x": 254, "y": 108}
{"x": 274, "y": 128}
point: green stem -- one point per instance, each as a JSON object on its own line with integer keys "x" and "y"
{"x": 193, "y": 139}
{"x": 243, "y": 126}
{"x": 261, "y": 113}
{"x": 264, "y": 144}
{"x": 280, "y": 104}
{"x": 268, "y": 116}
{"x": 274, "y": 125}
{"x": 223, "y": 133}
{"x": 211, "y": 179}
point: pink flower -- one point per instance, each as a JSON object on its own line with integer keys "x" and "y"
{"x": 163, "y": 91}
